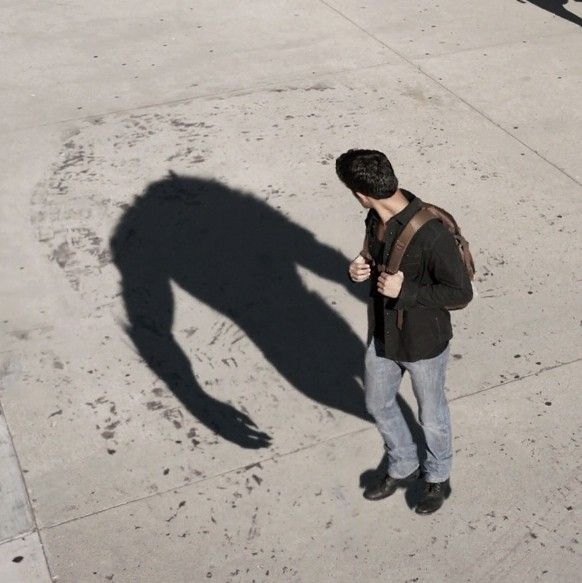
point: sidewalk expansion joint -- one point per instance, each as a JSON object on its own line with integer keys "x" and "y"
{"x": 508, "y": 43}
{"x": 28, "y": 497}
{"x": 193, "y": 483}
{"x": 234, "y": 92}
{"x": 18, "y": 536}
{"x": 451, "y": 92}
{"x": 516, "y": 380}
{"x": 278, "y": 456}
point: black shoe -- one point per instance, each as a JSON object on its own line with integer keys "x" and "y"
{"x": 388, "y": 486}
{"x": 433, "y": 497}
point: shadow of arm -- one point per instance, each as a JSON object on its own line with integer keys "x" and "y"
{"x": 330, "y": 264}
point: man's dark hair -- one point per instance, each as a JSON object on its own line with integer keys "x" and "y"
{"x": 368, "y": 172}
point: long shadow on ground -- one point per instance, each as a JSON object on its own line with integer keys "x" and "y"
{"x": 239, "y": 256}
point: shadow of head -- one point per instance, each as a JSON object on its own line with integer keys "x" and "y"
{"x": 239, "y": 256}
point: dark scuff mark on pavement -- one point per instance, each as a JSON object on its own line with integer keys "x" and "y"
{"x": 180, "y": 505}
{"x": 174, "y": 415}
{"x": 192, "y": 437}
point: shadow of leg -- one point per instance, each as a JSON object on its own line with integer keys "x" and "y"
{"x": 415, "y": 428}
{"x": 413, "y": 488}
{"x": 313, "y": 348}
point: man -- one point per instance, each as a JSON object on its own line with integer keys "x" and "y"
{"x": 432, "y": 277}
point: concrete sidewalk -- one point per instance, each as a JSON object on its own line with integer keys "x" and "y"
{"x": 109, "y": 469}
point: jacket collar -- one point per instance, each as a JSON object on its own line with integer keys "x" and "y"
{"x": 413, "y": 206}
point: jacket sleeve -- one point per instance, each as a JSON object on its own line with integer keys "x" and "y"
{"x": 452, "y": 285}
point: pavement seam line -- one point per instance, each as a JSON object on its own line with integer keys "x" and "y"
{"x": 283, "y": 455}
{"x": 516, "y": 380}
{"x": 211, "y": 95}
{"x": 206, "y": 479}
{"x": 474, "y": 108}
{"x": 17, "y": 536}
{"x": 496, "y": 45}
{"x": 28, "y": 497}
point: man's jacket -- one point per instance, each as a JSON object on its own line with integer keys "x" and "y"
{"x": 434, "y": 277}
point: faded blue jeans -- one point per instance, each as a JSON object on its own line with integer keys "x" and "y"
{"x": 382, "y": 379}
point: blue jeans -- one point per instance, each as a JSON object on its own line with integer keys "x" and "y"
{"x": 381, "y": 381}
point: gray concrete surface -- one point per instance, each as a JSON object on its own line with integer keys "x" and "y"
{"x": 105, "y": 474}
{"x": 23, "y": 560}
{"x": 14, "y": 507}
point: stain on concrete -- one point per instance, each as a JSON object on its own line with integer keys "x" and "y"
{"x": 76, "y": 205}
{"x": 173, "y": 516}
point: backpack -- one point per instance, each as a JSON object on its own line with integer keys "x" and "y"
{"x": 423, "y": 216}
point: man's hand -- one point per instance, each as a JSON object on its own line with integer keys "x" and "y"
{"x": 390, "y": 285}
{"x": 359, "y": 270}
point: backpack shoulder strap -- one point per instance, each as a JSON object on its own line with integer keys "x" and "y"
{"x": 422, "y": 217}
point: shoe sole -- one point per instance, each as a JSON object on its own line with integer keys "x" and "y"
{"x": 426, "y": 513}
{"x": 379, "y": 498}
